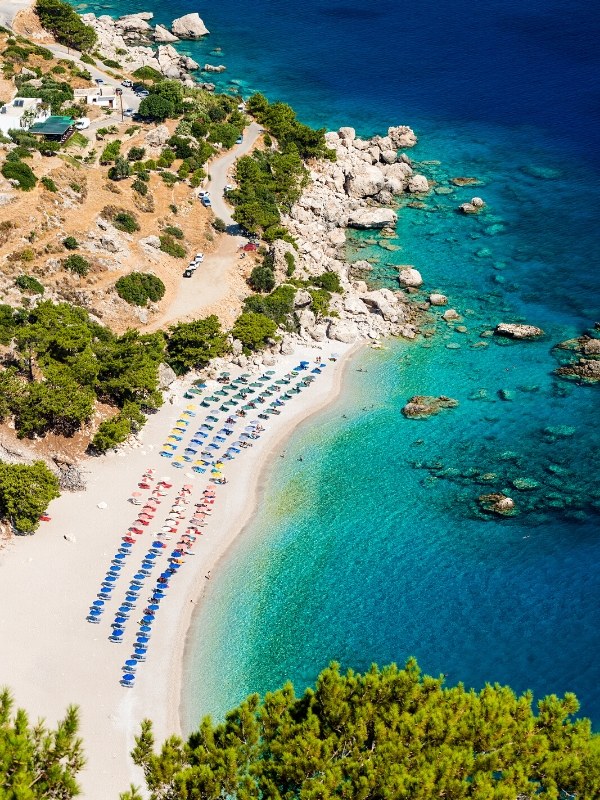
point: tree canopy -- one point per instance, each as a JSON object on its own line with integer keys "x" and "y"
{"x": 36, "y": 761}
{"x": 25, "y": 492}
{"x": 192, "y": 345}
{"x": 62, "y": 20}
{"x": 253, "y": 330}
{"x": 386, "y": 734}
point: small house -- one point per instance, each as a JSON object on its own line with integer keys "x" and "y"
{"x": 101, "y": 96}
{"x": 22, "y": 112}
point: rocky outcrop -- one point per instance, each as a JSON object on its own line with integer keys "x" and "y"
{"x": 514, "y": 331}
{"x": 364, "y": 181}
{"x": 366, "y": 218}
{"x": 473, "y": 207}
{"x": 438, "y": 299}
{"x": 586, "y": 370}
{"x": 418, "y": 184}
{"x": 164, "y": 36}
{"x": 157, "y": 137}
{"x": 127, "y": 40}
{"x": 402, "y": 136}
{"x": 423, "y": 406}
{"x": 342, "y": 331}
{"x": 166, "y": 376}
{"x": 190, "y": 26}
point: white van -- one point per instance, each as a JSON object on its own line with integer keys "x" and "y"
{"x": 82, "y": 124}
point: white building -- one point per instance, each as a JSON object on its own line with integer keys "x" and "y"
{"x": 21, "y": 112}
{"x": 102, "y": 96}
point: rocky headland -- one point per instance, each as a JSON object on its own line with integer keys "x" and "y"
{"x": 586, "y": 369}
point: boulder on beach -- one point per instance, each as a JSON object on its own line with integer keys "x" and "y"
{"x": 342, "y": 331}
{"x": 190, "y": 26}
{"x": 515, "y": 331}
{"x": 364, "y": 218}
{"x": 423, "y": 406}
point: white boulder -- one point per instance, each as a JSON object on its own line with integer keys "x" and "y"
{"x": 342, "y": 331}
{"x": 418, "y": 184}
{"x": 410, "y": 278}
{"x": 365, "y": 181}
{"x": 190, "y": 26}
{"x": 163, "y": 36}
{"x": 438, "y": 299}
{"x": 402, "y": 136}
{"x": 364, "y": 218}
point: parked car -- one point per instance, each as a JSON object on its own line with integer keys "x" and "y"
{"x": 82, "y": 124}
{"x": 228, "y": 188}
{"x": 127, "y": 83}
{"x": 188, "y": 273}
{"x": 143, "y": 93}
{"x": 99, "y": 81}
{"x": 206, "y": 201}
{"x": 199, "y": 257}
{"x": 129, "y": 112}
{"x": 203, "y": 193}
{"x": 239, "y": 140}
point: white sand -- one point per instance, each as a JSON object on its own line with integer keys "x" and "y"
{"x": 50, "y": 656}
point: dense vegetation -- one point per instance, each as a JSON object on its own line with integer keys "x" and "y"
{"x": 138, "y": 288}
{"x": 37, "y": 761}
{"x": 20, "y": 172}
{"x": 388, "y": 734}
{"x": 281, "y": 121}
{"x": 25, "y": 492}
{"x": 62, "y": 362}
{"x": 62, "y": 20}
{"x": 192, "y": 345}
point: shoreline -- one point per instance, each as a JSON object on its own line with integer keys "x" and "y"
{"x": 267, "y": 460}
{"x": 48, "y": 580}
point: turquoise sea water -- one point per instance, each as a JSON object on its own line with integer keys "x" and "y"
{"x": 371, "y": 548}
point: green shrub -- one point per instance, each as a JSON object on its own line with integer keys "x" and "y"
{"x": 291, "y": 264}
{"x": 329, "y": 281}
{"x": 120, "y": 170}
{"x": 20, "y": 172}
{"x": 219, "y": 225}
{"x": 77, "y": 264}
{"x": 192, "y": 345}
{"x": 148, "y": 74}
{"x": 262, "y": 279}
{"x": 124, "y": 221}
{"x": 71, "y": 243}
{"x": 171, "y": 247}
{"x": 253, "y": 330}
{"x": 320, "y": 302}
{"x": 88, "y": 59}
{"x": 108, "y": 62}
{"x": 67, "y": 26}
{"x": 27, "y": 283}
{"x": 111, "y": 151}
{"x": 48, "y": 184}
{"x": 140, "y": 187}
{"x": 25, "y": 493}
{"x": 136, "y": 153}
{"x": 139, "y": 287}
{"x": 170, "y": 178}
{"x": 173, "y": 231}
{"x": 155, "y": 107}
{"x": 58, "y": 70}
{"x": 278, "y": 306}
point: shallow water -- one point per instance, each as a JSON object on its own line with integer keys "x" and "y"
{"x": 371, "y": 548}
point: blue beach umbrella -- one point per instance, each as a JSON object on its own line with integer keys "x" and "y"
{"x": 115, "y": 569}
{"x": 142, "y": 639}
{"x": 110, "y": 579}
{"x": 126, "y": 546}
{"x": 154, "y": 607}
{"x": 117, "y": 633}
{"x": 145, "y": 629}
{"x": 148, "y": 619}
{"x": 130, "y": 664}
{"x": 120, "y": 620}
{"x": 157, "y": 545}
{"x": 124, "y": 609}
{"x": 129, "y": 678}
{"x": 159, "y": 594}
{"x": 120, "y": 556}
{"x": 139, "y": 576}
{"x": 98, "y": 603}
{"x": 95, "y": 612}
{"x": 151, "y": 556}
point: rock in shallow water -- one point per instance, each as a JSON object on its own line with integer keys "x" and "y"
{"x": 423, "y": 406}
{"x": 497, "y": 503}
{"x": 514, "y": 331}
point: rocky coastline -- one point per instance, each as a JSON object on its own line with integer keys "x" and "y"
{"x": 133, "y": 42}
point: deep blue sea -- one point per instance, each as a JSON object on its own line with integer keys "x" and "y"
{"x": 372, "y": 547}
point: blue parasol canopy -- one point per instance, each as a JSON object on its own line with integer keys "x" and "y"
{"x": 117, "y": 633}
{"x": 157, "y": 545}
{"x": 148, "y": 619}
{"x": 154, "y": 607}
{"x": 143, "y": 639}
{"x": 129, "y": 678}
{"x": 139, "y": 576}
{"x": 151, "y": 556}
{"x": 110, "y": 578}
{"x": 98, "y": 603}
{"x": 145, "y": 629}
{"x": 95, "y": 612}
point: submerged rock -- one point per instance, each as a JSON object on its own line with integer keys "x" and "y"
{"x": 423, "y": 406}
{"x": 497, "y": 503}
{"x": 514, "y": 331}
{"x": 585, "y": 370}
{"x": 525, "y": 484}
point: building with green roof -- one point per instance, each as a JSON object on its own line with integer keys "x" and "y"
{"x": 54, "y": 129}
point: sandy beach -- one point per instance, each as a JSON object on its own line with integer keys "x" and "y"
{"x": 51, "y": 656}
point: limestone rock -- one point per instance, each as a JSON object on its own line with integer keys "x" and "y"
{"x": 342, "y": 331}
{"x": 318, "y": 333}
{"x": 451, "y": 315}
{"x": 477, "y": 202}
{"x": 302, "y": 299}
{"x": 423, "y": 406}
{"x": 513, "y": 331}
{"x": 385, "y": 303}
{"x": 111, "y": 242}
{"x": 586, "y": 370}
{"x": 402, "y": 136}
{"x": 164, "y": 36}
{"x": 418, "y": 184}
{"x": 166, "y": 376}
{"x": 438, "y": 299}
{"x": 190, "y": 26}
{"x": 365, "y": 182}
{"x": 410, "y": 277}
{"x": 286, "y": 348}
{"x": 347, "y": 134}
{"x": 364, "y": 218}
{"x": 150, "y": 241}
{"x": 157, "y": 137}
{"x": 133, "y": 24}
{"x": 306, "y": 318}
